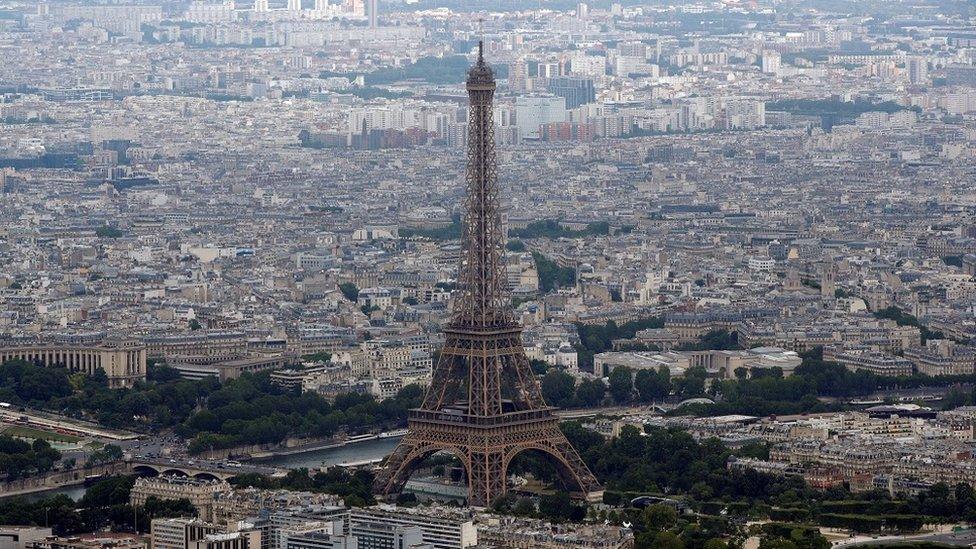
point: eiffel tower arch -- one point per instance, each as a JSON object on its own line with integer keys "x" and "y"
{"x": 484, "y": 404}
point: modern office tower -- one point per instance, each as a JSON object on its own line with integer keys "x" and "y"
{"x": 918, "y": 70}
{"x": 318, "y": 535}
{"x": 771, "y": 61}
{"x": 632, "y": 49}
{"x": 355, "y": 7}
{"x": 261, "y": 6}
{"x": 179, "y": 533}
{"x": 372, "y": 11}
{"x": 745, "y": 114}
{"x": 518, "y": 74}
{"x": 370, "y": 524}
{"x": 576, "y": 91}
{"x": 484, "y": 405}
{"x": 958, "y": 74}
{"x": 531, "y": 112}
{"x": 208, "y": 12}
{"x": 291, "y": 521}
{"x": 582, "y": 10}
{"x": 386, "y": 536}
{"x": 321, "y": 5}
{"x": 294, "y": 5}
{"x": 322, "y": 540}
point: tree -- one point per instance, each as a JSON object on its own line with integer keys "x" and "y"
{"x": 621, "y": 383}
{"x": 19, "y": 459}
{"x": 551, "y": 275}
{"x": 559, "y": 507}
{"x": 659, "y": 517}
{"x": 349, "y": 291}
{"x": 715, "y": 543}
{"x": 99, "y": 378}
{"x": 693, "y": 384}
{"x": 558, "y": 387}
{"x": 320, "y": 356}
{"x": 590, "y": 392}
{"x": 524, "y": 507}
{"x": 774, "y": 372}
{"x": 954, "y": 399}
{"x": 539, "y": 367}
{"x": 667, "y": 540}
{"x": 195, "y": 324}
{"x": 653, "y": 385}
{"x": 108, "y": 454}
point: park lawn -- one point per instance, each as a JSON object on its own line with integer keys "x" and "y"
{"x": 50, "y": 436}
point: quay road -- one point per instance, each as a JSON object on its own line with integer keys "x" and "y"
{"x": 48, "y": 421}
{"x": 613, "y": 411}
{"x": 958, "y": 538}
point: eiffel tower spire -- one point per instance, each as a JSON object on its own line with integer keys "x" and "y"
{"x": 484, "y": 404}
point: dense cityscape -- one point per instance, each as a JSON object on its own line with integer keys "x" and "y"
{"x": 473, "y": 274}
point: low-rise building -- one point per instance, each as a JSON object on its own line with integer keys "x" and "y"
{"x": 200, "y": 493}
{"x": 942, "y": 357}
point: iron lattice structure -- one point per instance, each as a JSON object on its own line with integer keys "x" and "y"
{"x": 484, "y": 404}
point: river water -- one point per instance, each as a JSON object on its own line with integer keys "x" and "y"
{"x": 361, "y": 451}
{"x": 73, "y": 492}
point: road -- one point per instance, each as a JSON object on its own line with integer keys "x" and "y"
{"x": 962, "y": 538}
{"x": 606, "y": 411}
{"x": 50, "y": 421}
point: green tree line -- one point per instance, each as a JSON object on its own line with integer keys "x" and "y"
{"x": 20, "y": 459}
{"x": 105, "y": 505}
{"x": 551, "y": 228}
{"x": 252, "y": 410}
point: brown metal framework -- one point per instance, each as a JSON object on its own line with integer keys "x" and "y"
{"x": 484, "y": 404}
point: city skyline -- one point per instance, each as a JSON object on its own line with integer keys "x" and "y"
{"x": 438, "y": 274}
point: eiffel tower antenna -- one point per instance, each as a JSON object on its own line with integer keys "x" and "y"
{"x": 484, "y": 404}
{"x": 481, "y": 38}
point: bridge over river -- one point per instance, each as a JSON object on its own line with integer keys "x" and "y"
{"x": 199, "y": 468}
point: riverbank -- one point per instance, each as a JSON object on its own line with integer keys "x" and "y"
{"x": 359, "y": 452}
{"x": 60, "y": 479}
{"x": 329, "y": 444}
{"x": 356, "y": 450}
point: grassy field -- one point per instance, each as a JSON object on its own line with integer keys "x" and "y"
{"x": 28, "y": 432}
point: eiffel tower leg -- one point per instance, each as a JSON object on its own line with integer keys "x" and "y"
{"x": 570, "y": 466}
{"x": 486, "y": 476}
{"x": 404, "y": 458}
{"x": 589, "y": 486}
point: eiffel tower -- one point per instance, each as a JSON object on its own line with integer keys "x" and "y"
{"x": 484, "y": 405}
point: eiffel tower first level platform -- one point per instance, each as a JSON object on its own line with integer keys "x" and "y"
{"x": 486, "y": 447}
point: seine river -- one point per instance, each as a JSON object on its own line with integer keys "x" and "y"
{"x": 360, "y": 451}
